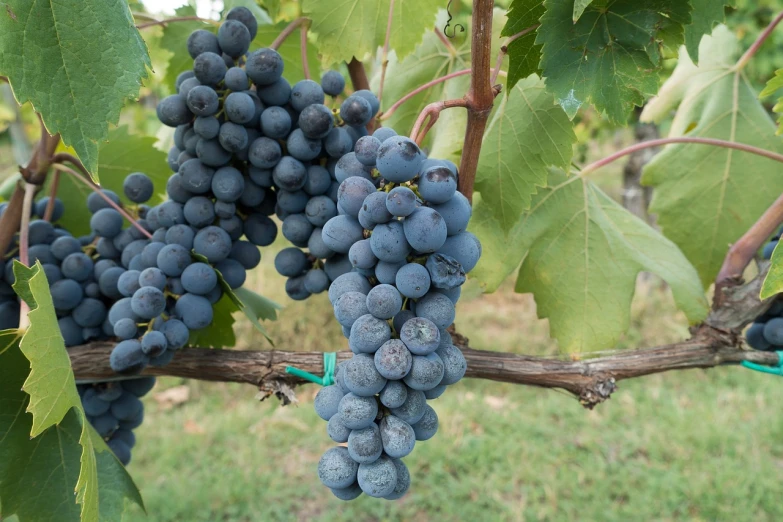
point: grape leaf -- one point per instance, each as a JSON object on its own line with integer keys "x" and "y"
{"x": 774, "y": 85}
{"x": 611, "y": 56}
{"x": 523, "y": 53}
{"x": 580, "y": 254}
{"x": 773, "y": 281}
{"x": 526, "y": 134}
{"x": 290, "y": 52}
{"x": 76, "y": 63}
{"x": 122, "y": 154}
{"x": 706, "y": 15}
{"x": 220, "y": 333}
{"x": 579, "y": 8}
{"x": 347, "y": 28}
{"x": 262, "y": 307}
{"x": 59, "y": 425}
{"x": 707, "y": 197}
{"x": 272, "y": 7}
{"x": 174, "y": 40}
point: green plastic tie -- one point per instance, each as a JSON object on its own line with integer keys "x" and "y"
{"x": 330, "y": 362}
{"x": 774, "y": 370}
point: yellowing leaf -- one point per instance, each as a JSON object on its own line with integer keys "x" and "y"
{"x": 707, "y": 197}
{"x": 580, "y": 254}
{"x": 76, "y": 62}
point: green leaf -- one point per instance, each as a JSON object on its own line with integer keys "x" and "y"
{"x": 261, "y": 16}
{"x": 774, "y": 85}
{"x": 272, "y": 7}
{"x": 773, "y": 281}
{"x": 62, "y": 439}
{"x": 348, "y": 28}
{"x": 706, "y": 15}
{"x": 523, "y": 53}
{"x": 260, "y": 306}
{"x": 707, "y": 197}
{"x": 579, "y": 8}
{"x": 449, "y": 133}
{"x": 76, "y": 63}
{"x": 611, "y": 56}
{"x": 174, "y": 40}
{"x": 527, "y": 134}
{"x": 290, "y": 52}
{"x": 122, "y": 154}
{"x": 580, "y": 254}
{"x": 220, "y": 334}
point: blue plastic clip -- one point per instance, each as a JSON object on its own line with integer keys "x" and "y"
{"x": 774, "y": 370}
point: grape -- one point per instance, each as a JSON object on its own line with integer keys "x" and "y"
{"x": 127, "y": 407}
{"x": 176, "y": 185}
{"x": 349, "y": 307}
{"x": 292, "y": 202}
{"x": 350, "y": 282}
{"x": 194, "y": 310}
{"x": 149, "y": 256}
{"x": 769, "y": 248}
{"x": 319, "y": 210}
{"x": 264, "y": 66}
{"x": 275, "y": 122}
{"x": 304, "y": 93}
{"x": 375, "y": 206}
{"x": 128, "y": 283}
{"x": 209, "y": 68}
{"x": 201, "y": 41}
{"x": 435, "y": 392}
{"x": 90, "y": 313}
{"x": 403, "y": 480}
{"x": 426, "y": 372}
{"x": 336, "y": 469}
{"x": 199, "y": 278}
{"x": 425, "y": 230}
{"x": 203, "y": 101}
{"x": 773, "y": 331}
{"x": 315, "y": 121}
{"x": 246, "y": 253}
{"x": 413, "y": 280}
{"x": 302, "y": 147}
{"x": 456, "y": 212}
{"x": 341, "y": 232}
{"x": 42, "y": 253}
{"x": 244, "y": 15}
{"x": 57, "y": 211}
{"x": 127, "y": 358}
{"x": 264, "y": 153}
{"x": 125, "y": 329}
{"x": 399, "y": 159}
{"x": 234, "y": 38}
{"x": 252, "y": 195}
{"x": 378, "y": 479}
{"x": 316, "y": 281}
{"x": 107, "y": 282}
{"x": 260, "y": 230}
{"x": 393, "y": 360}
{"x": 348, "y": 166}
{"x": 365, "y": 445}
{"x": 239, "y": 107}
{"x": 213, "y": 243}
{"x": 445, "y": 272}
{"x": 199, "y": 211}
{"x": 357, "y": 412}
{"x": 225, "y": 210}
{"x": 426, "y": 428}
{"x": 277, "y": 93}
{"x": 125, "y": 436}
{"x": 336, "y": 429}
{"x": 420, "y": 335}
{"x": 153, "y": 343}
{"x": 140, "y": 386}
{"x": 332, "y": 83}
{"x": 77, "y": 266}
{"x": 233, "y": 273}
{"x": 170, "y": 213}
{"x": 755, "y": 337}
{"x": 361, "y": 376}
{"x": 53, "y": 274}
{"x": 62, "y": 247}
{"x": 71, "y": 332}
{"x": 454, "y": 364}
{"x": 290, "y": 262}
{"x": 389, "y": 243}
{"x": 176, "y": 333}
{"x": 173, "y": 111}
{"x": 436, "y": 307}
{"x": 40, "y": 232}
{"x": 104, "y": 424}
{"x": 384, "y": 133}
{"x": 398, "y": 437}
{"x": 148, "y": 302}
{"x": 361, "y": 255}
{"x": 297, "y": 229}
{"x": 394, "y": 394}
{"x": 121, "y": 310}
{"x": 181, "y": 235}
{"x": 352, "y": 193}
{"x": 211, "y": 153}
{"x": 133, "y": 423}
{"x": 295, "y": 288}
{"x": 355, "y": 111}
{"x": 175, "y": 285}
{"x": 134, "y": 248}
{"x": 95, "y": 202}
{"x": 366, "y": 149}
{"x": 437, "y": 184}
{"x": 93, "y": 405}
{"x": 327, "y": 401}
{"x": 384, "y": 301}
{"x": 233, "y": 137}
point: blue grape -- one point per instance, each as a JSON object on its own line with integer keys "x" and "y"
{"x": 53, "y": 274}
{"x": 426, "y": 372}
{"x": 252, "y": 195}
{"x": 426, "y": 428}
{"x": 125, "y": 329}
{"x": 454, "y": 364}
{"x": 225, "y": 210}
{"x": 239, "y": 107}
{"x": 755, "y": 337}
{"x": 327, "y": 400}
{"x": 445, "y": 271}
{"x": 773, "y": 331}
{"x": 356, "y": 111}
{"x": 317, "y": 182}
{"x": 352, "y": 193}
{"x": 42, "y": 253}
{"x": 338, "y": 142}
{"x": 368, "y": 333}
{"x": 233, "y": 137}
{"x": 316, "y": 281}
{"x": 332, "y": 83}
{"x": 365, "y": 445}
{"x": 769, "y": 248}
{"x": 425, "y": 230}
{"x": 264, "y": 66}
{"x": 436, "y": 307}
{"x": 465, "y": 248}
{"x": 154, "y": 277}
{"x": 435, "y": 392}
{"x": 212, "y": 153}
{"x": 153, "y": 343}
{"x": 260, "y": 230}
{"x": 336, "y": 429}
{"x": 203, "y": 101}
{"x": 140, "y": 386}
{"x": 275, "y": 122}
{"x": 315, "y": 121}
{"x": 384, "y": 133}
{"x": 337, "y": 469}
{"x": 413, "y": 280}
{"x": 104, "y": 424}
{"x": 398, "y": 437}
{"x": 386, "y": 273}
{"x": 71, "y": 332}
{"x": 304, "y": 93}
{"x": 341, "y": 232}
{"x": 393, "y": 359}
{"x": 301, "y": 147}
{"x": 234, "y": 38}
{"x": 456, "y": 212}
{"x": 403, "y": 480}
{"x": 348, "y": 166}
{"x": 201, "y": 41}
{"x": 173, "y": 111}
{"x": 289, "y": 174}
{"x": 170, "y": 213}
{"x": 319, "y": 210}
{"x": 77, "y": 266}
{"x": 127, "y": 358}
{"x": 378, "y": 479}
{"x": 290, "y": 262}
{"x": 175, "y": 186}
{"x": 194, "y": 311}
{"x": 420, "y": 335}
{"x": 357, "y": 412}
{"x": 394, "y": 394}
{"x": 366, "y": 149}
{"x": 199, "y": 278}
{"x": 437, "y": 184}
{"x": 336, "y": 265}
{"x": 127, "y": 406}
{"x": 196, "y": 177}
{"x": 384, "y": 301}
{"x": 207, "y": 127}
{"x": 176, "y": 333}
{"x": 297, "y": 229}
{"x": 233, "y": 273}
{"x": 276, "y": 93}
{"x": 246, "y": 253}
{"x": 361, "y": 255}
{"x": 125, "y": 436}
{"x": 62, "y": 247}
{"x": 90, "y": 313}
{"x": 57, "y": 212}
{"x": 349, "y": 282}
{"x": 181, "y": 235}
{"x": 93, "y": 405}
{"x": 244, "y": 15}
{"x": 389, "y": 242}
{"x": 412, "y": 410}
{"x": 209, "y": 68}
{"x": 399, "y": 159}
{"x": 148, "y": 302}
{"x": 128, "y": 283}
{"x": 264, "y": 153}
{"x": 295, "y": 288}
{"x": 133, "y": 249}
{"x": 95, "y": 202}
{"x": 107, "y": 282}
{"x": 121, "y": 310}
{"x": 375, "y": 205}
{"x": 213, "y": 243}
{"x": 349, "y": 307}
{"x": 292, "y": 202}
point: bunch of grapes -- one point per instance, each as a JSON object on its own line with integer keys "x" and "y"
{"x": 410, "y": 252}
{"x": 766, "y": 332}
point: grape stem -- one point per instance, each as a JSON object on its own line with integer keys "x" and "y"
{"x": 679, "y": 139}
{"x": 358, "y": 75}
{"x": 504, "y": 49}
{"x": 24, "y": 246}
{"x": 385, "y": 52}
{"x": 753, "y": 49}
{"x": 95, "y": 188}
{"x": 303, "y": 49}
{"x": 285, "y": 33}
{"x": 176, "y": 19}
{"x": 52, "y": 195}
{"x": 388, "y": 113}
{"x": 452, "y": 50}
{"x": 431, "y": 113}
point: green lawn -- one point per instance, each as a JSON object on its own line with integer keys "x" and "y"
{"x": 683, "y": 446}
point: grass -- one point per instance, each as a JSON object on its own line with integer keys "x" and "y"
{"x": 689, "y": 445}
